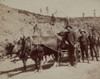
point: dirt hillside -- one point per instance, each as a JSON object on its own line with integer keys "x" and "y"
{"x": 14, "y": 23}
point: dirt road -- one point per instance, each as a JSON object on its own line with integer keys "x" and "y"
{"x": 81, "y": 71}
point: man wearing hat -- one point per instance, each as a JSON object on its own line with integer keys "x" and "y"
{"x": 93, "y": 43}
{"x": 71, "y": 41}
{"x": 84, "y": 42}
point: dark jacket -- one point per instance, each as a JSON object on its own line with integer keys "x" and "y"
{"x": 71, "y": 38}
{"x": 84, "y": 41}
{"x": 92, "y": 40}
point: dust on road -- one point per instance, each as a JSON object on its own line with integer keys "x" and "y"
{"x": 81, "y": 71}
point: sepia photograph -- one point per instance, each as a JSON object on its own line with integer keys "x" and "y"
{"x": 49, "y": 39}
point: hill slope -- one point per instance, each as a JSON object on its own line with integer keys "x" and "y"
{"x": 15, "y": 23}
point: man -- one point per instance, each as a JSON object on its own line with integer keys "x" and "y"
{"x": 93, "y": 43}
{"x": 22, "y": 42}
{"x": 28, "y": 44}
{"x": 98, "y": 45}
{"x": 71, "y": 41}
{"x": 84, "y": 42}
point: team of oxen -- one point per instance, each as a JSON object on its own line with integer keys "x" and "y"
{"x": 85, "y": 45}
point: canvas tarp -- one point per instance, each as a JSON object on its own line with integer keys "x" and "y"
{"x": 49, "y": 41}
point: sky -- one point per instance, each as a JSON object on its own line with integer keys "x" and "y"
{"x": 63, "y": 8}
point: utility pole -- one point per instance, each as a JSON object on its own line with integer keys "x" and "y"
{"x": 40, "y": 11}
{"x": 94, "y": 13}
{"x": 47, "y": 10}
{"x": 83, "y": 14}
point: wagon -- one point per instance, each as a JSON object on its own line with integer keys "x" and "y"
{"x": 52, "y": 42}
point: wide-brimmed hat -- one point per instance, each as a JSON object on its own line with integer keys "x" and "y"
{"x": 82, "y": 31}
{"x": 68, "y": 26}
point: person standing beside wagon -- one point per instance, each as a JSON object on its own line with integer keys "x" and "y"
{"x": 84, "y": 42}
{"x": 71, "y": 40}
{"x": 93, "y": 42}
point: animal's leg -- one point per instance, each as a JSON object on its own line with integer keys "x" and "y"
{"x": 56, "y": 61}
{"x": 45, "y": 59}
{"x": 53, "y": 57}
{"x": 36, "y": 64}
{"x": 40, "y": 63}
{"x": 24, "y": 64}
